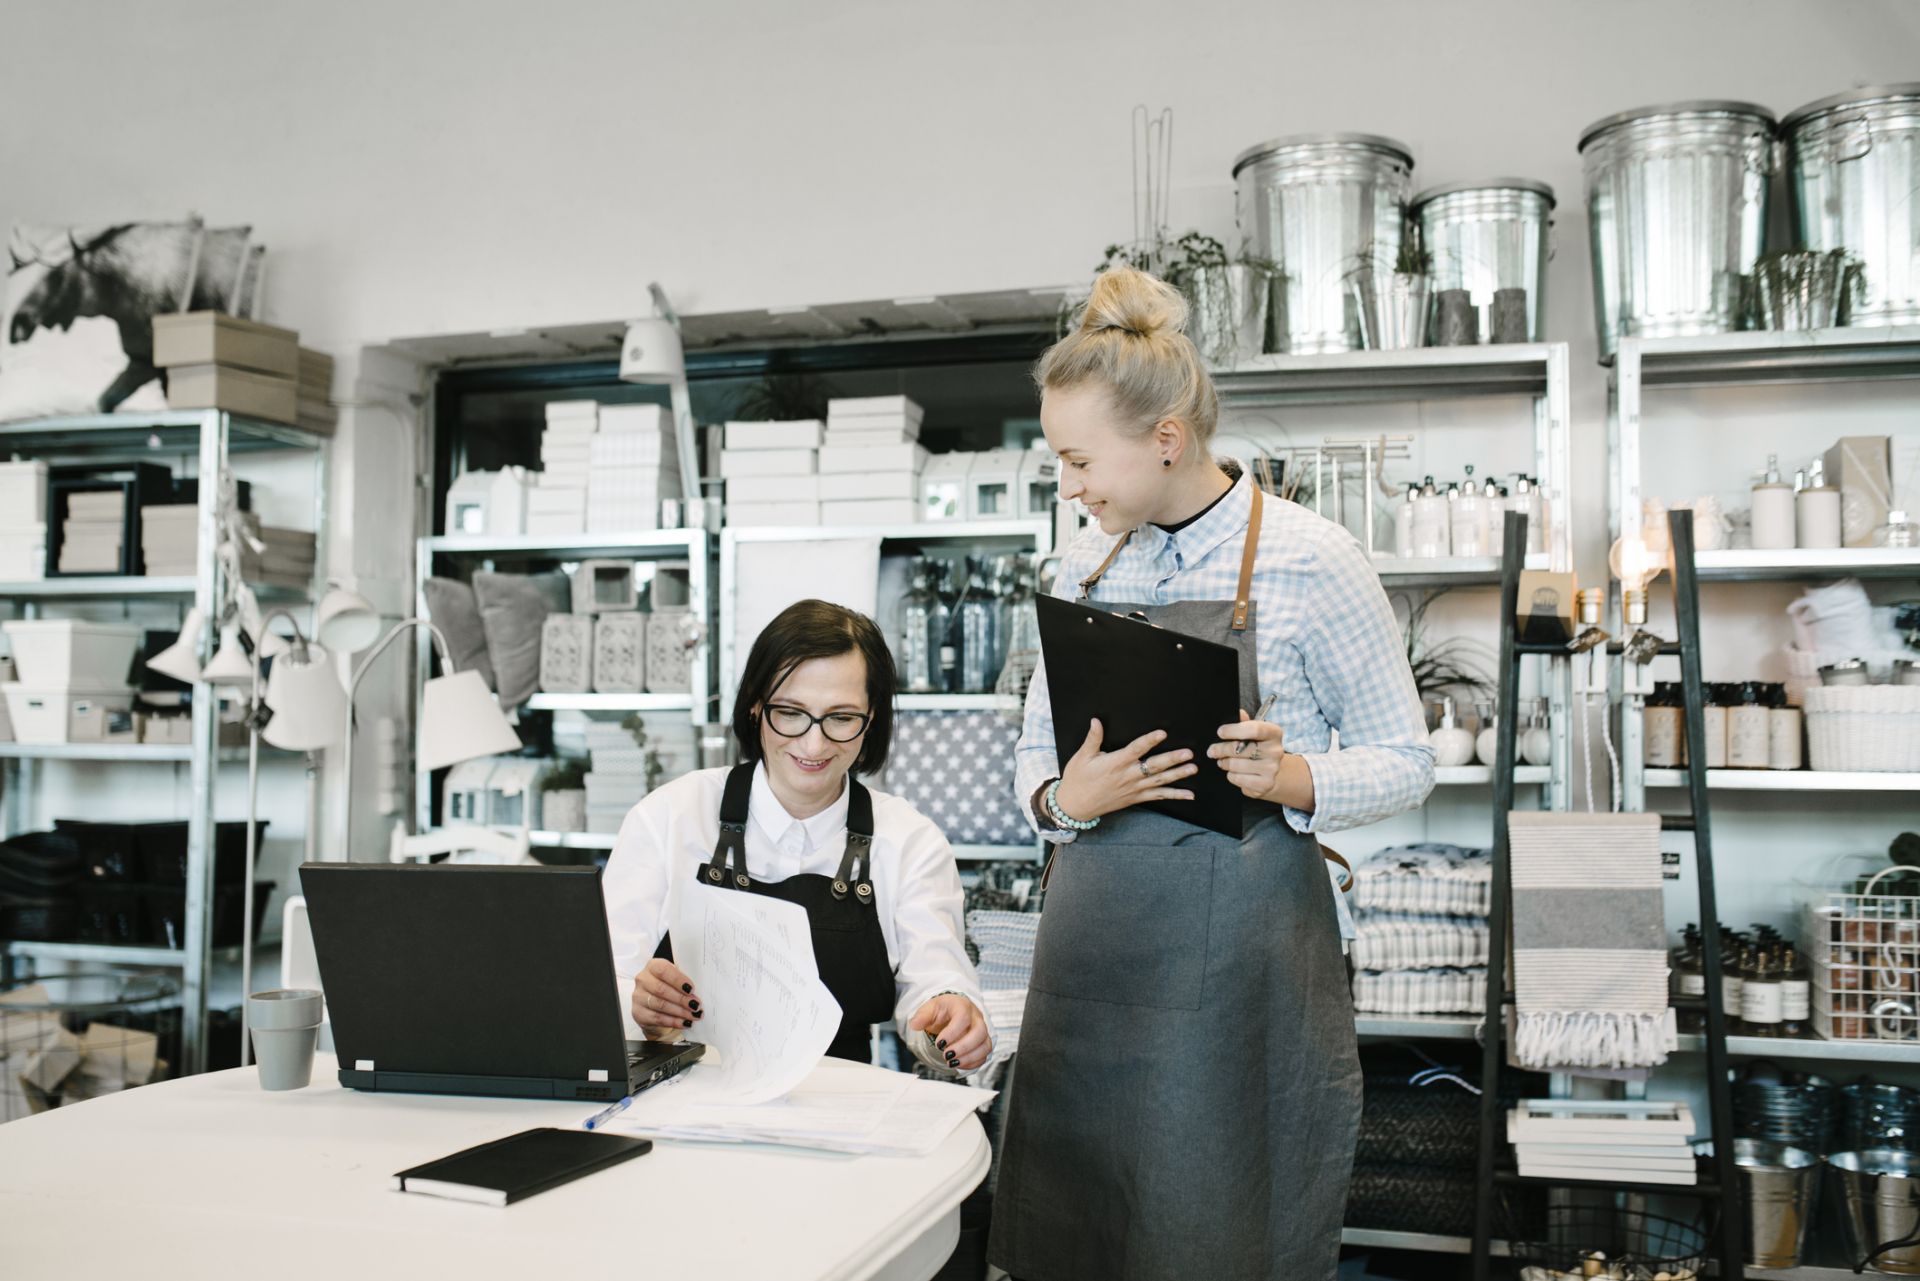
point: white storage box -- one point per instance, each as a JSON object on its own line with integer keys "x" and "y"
{"x": 66, "y": 653}
{"x": 899, "y": 433}
{"x": 870, "y": 484}
{"x": 775, "y": 489}
{"x": 70, "y": 715}
{"x": 907, "y": 458}
{"x": 798, "y": 434}
{"x": 852, "y": 407}
{"x": 767, "y": 462}
{"x": 763, "y": 515}
{"x": 944, "y": 487}
{"x": 870, "y": 511}
{"x": 619, "y": 418}
{"x": 23, "y": 493}
{"x": 1873, "y": 728}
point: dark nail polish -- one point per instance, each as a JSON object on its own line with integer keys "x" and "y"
{"x": 694, "y": 1005}
{"x": 954, "y": 1059}
{"x": 686, "y": 987}
{"x": 686, "y": 1022}
{"x": 943, "y": 1045}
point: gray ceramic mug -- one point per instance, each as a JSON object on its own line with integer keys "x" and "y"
{"x": 285, "y": 1025}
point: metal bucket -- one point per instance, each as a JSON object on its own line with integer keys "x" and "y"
{"x": 1487, "y": 236}
{"x": 1677, "y": 211}
{"x": 1779, "y": 1184}
{"x": 1882, "y": 1190}
{"x": 1853, "y": 161}
{"x": 1392, "y": 308}
{"x": 1320, "y": 206}
{"x": 1229, "y": 307}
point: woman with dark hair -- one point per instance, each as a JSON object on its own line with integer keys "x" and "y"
{"x": 876, "y": 877}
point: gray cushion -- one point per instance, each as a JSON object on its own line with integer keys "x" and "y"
{"x": 454, "y": 610}
{"x": 513, "y": 608}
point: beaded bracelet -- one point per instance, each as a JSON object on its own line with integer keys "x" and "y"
{"x": 1059, "y": 816}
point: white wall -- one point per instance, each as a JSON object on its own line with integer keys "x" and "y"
{"x": 433, "y": 167}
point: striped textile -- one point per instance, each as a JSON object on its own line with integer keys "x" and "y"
{"x": 1425, "y": 879}
{"x": 1407, "y": 941}
{"x": 1005, "y": 940}
{"x": 1589, "y": 941}
{"x": 1403, "y": 992}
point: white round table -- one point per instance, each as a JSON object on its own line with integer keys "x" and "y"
{"x": 212, "y": 1176}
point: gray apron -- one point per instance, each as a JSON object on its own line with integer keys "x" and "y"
{"x": 1188, "y": 1087}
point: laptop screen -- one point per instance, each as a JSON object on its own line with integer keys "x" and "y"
{"x": 467, "y": 969}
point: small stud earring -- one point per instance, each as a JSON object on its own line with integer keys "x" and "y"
{"x": 1166, "y": 462}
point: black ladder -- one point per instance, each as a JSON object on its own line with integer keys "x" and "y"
{"x": 1725, "y": 1189}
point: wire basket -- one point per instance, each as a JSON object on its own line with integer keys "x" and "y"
{"x": 69, "y": 1037}
{"x": 1865, "y": 949}
{"x": 1633, "y": 1246}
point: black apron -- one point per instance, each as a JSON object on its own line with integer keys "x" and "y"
{"x": 848, "y": 946}
{"x": 1188, "y": 1090}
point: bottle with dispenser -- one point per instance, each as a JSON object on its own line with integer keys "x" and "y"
{"x": 1528, "y": 498}
{"x": 1431, "y": 536}
{"x": 1760, "y": 994}
{"x": 1403, "y": 522}
{"x": 1452, "y": 745}
{"x": 919, "y": 654}
{"x": 1486, "y": 745}
{"x": 1816, "y": 510}
{"x": 1469, "y": 519}
{"x": 1772, "y": 510}
{"x": 1689, "y": 980}
{"x": 1796, "y": 993}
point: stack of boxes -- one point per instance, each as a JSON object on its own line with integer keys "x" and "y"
{"x": 771, "y": 470}
{"x": 93, "y": 533}
{"x": 617, "y": 778}
{"x": 871, "y": 461}
{"x": 169, "y": 543}
{"x": 634, "y": 463}
{"x": 72, "y": 685}
{"x": 216, "y": 361}
{"x": 558, "y": 504}
{"x": 23, "y": 521}
{"x": 313, "y": 409}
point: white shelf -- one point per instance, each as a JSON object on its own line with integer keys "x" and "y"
{"x": 1383, "y": 1239}
{"x": 1459, "y": 571}
{"x": 637, "y": 543}
{"x": 1505, "y": 369}
{"x": 1437, "y": 1027}
{"x": 1790, "y": 780}
{"x": 1482, "y": 775}
{"x": 610, "y": 703}
{"x": 1816, "y": 355}
{"x": 147, "y": 434}
{"x": 570, "y": 840}
{"x": 1841, "y": 562}
{"x": 1769, "y": 1047}
{"x": 1039, "y": 531}
{"x": 952, "y": 702}
{"x": 116, "y": 954}
{"x": 113, "y": 587}
{"x": 174, "y": 753}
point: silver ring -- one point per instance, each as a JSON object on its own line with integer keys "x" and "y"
{"x": 1144, "y": 771}
{"x": 651, "y": 1005}
{"x": 1254, "y": 755}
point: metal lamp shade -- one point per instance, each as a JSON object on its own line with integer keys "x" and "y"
{"x": 348, "y": 622}
{"x": 461, "y": 721}
{"x": 309, "y": 707}
{"x": 181, "y": 660}
{"x": 652, "y": 353}
{"x": 231, "y": 664}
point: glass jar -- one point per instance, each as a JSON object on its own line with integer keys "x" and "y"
{"x": 1747, "y": 728}
{"x": 1897, "y": 532}
{"x": 1664, "y": 727}
{"x": 1850, "y": 671}
{"x": 1720, "y": 696}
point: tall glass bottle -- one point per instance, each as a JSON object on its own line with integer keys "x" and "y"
{"x": 1689, "y": 980}
{"x": 919, "y": 656}
{"x": 977, "y": 640}
{"x": 1796, "y": 1006}
{"x": 942, "y": 654}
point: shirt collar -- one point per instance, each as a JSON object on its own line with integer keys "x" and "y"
{"x": 1228, "y": 517}
{"x": 765, "y": 809}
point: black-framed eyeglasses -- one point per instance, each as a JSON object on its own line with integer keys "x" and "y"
{"x": 839, "y": 727}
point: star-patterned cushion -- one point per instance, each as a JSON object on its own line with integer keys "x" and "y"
{"x": 957, "y": 769}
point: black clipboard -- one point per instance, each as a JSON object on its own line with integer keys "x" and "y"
{"x": 1137, "y": 677}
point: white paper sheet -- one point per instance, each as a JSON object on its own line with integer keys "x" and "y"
{"x": 750, "y": 958}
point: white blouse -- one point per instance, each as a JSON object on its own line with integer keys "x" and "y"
{"x": 916, "y": 883}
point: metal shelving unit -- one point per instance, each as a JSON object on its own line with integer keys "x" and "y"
{"x": 1784, "y": 780}
{"x": 1539, "y": 371}
{"x": 210, "y": 438}
{"x": 611, "y": 703}
{"x": 1744, "y": 360}
{"x": 116, "y": 954}
{"x": 1482, "y": 775}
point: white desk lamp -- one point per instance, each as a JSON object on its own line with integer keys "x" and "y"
{"x": 652, "y": 355}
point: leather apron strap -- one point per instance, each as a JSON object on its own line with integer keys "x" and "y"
{"x": 855, "y": 874}
{"x": 1249, "y": 551}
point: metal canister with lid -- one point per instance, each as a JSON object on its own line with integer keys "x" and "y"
{"x": 1488, "y": 238}
{"x": 1848, "y": 671}
{"x": 1853, "y": 163}
{"x": 1906, "y": 671}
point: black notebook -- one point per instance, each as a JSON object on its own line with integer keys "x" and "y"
{"x": 519, "y": 1166}
{"x": 1136, "y": 677}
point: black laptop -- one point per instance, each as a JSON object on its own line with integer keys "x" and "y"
{"x": 476, "y": 979}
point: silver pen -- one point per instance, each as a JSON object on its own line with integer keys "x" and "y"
{"x": 1266, "y": 705}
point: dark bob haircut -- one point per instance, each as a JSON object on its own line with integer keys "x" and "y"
{"x": 817, "y": 629}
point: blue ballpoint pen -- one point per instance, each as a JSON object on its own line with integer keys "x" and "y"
{"x": 607, "y": 1114}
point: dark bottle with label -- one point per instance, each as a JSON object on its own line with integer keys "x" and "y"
{"x": 1760, "y": 996}
{"x": 1690, "y": 982}
{"x": 1796, "y": 993}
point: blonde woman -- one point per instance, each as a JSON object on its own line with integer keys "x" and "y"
{"x": 1188, "y": 1090}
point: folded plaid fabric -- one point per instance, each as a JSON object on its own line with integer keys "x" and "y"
{"x": 1430, "y": 878}
{"x": 1399, "y": 992}
{"x": 1005, "y": 941}
{"x": 1589, "y": 941}
{"x": 1414, "y": 941}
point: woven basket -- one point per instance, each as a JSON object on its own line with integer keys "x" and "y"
{"x": 1864, "y": 727}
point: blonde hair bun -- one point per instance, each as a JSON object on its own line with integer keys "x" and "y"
{"x": 1135, "y": 303}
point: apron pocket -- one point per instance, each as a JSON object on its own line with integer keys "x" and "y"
{"x": 1126, "y": 924}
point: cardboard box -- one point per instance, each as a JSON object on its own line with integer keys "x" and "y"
{"x": 870, "y": 511}
{"x": 768, "y": 462}
{"x": 214, "y": 338}
{"x": 624, "y": 418}
{"x": 842, "y": 437}
{"x": 1861, "y": 467}
{"x": 870, "y": 484}
{"x": 775, "y": 489}
{"x": 1547, "y": 607}
{"x": 874, "y": 407}
{"x": 873, "y": 458}
{"x": 316, "y": 373}
{"x": 762, "y": 515}
{"x": 800, "y": 434}
{"x": 237, "y": 391}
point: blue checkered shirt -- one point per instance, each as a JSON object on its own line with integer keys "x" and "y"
{"x": 1328, "y": 647}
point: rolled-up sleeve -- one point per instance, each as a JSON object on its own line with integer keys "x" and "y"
{"x": 1356, "y": 663}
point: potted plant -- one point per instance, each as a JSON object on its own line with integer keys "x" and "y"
{"x": 1390, "y": 291}
{"x": 1227, "y": 295}
{"x": 563, "y": 797}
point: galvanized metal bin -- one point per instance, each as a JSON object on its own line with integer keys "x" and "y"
{"x": 1677, "y": 211}
{"x": 1853, "y": 162}
{"x": 1320, "y": 206}
{"x": 1489, "y": 236}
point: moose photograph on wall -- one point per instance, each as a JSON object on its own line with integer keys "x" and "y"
{"x": 80, "y": 303}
